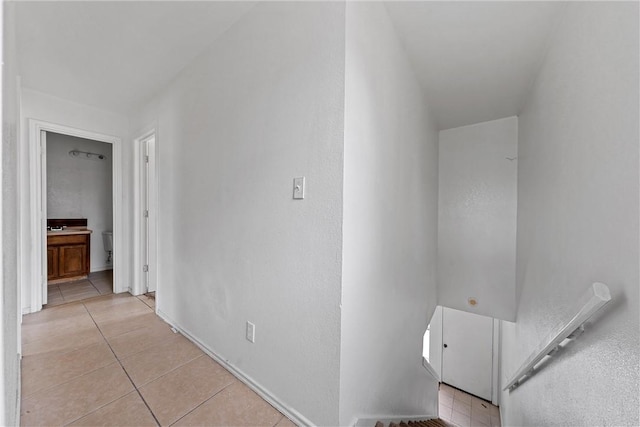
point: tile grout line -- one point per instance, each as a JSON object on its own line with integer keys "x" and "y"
{"x": 278, "y": 422}
{"x": 208, "y": 399}
{"x": 123, "y": 369}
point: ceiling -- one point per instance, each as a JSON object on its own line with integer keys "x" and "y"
{"x": 115, "y": 54}
{"x": 475, "y": 60}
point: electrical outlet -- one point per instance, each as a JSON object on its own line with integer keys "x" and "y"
{"x": 251, "y": 332}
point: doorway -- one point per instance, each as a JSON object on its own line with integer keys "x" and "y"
{"x": 77, "y": 176}
{"x": 34, "y": 272}
{"x": 145, "y": 276}
{"x": 464, "y": 351}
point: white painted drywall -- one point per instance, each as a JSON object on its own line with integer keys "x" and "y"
{"x": 81, "y": 188}
{"x": 477, "y": 217}
{"x": 9, "y": 292}
{"x": 44, "y": 107}
{"x": 264, "y": 104}
{"x": 475, "y": 59}
{"x": 578, "y": 188}
{"x": 389, "y": 232}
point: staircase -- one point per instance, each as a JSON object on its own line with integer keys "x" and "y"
{"x": 436, "y": 422}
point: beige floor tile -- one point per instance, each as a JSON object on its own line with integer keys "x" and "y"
{"x": 481, "y": 408}
{"x": 151, "y": 302}
{"x": 158, "y": 360}
{"x": 59, "y": 344}
{"x": 481, "y": 419}
{"x": 82, "y": 295}
{"x": 462, "y": 396}
{"x": 444, "y": 412}
{"x": 114, "y": 328}
{"x": 480, "y": 403}
{"x": 285, "y": 422}
{"x": 153, "y": 331}
{"x": 104, "y": 289}
{"x": 190, "y": 385}
{"x": 37, "y": 331}
{"x": 48, "y": 315}
{"x": 107, "y": 302}
{"x": 101, "y": 281}
{"x": 460, "y": 419}
{"x": 461, "y": 407}
{"x": 129, "y": 410}
{"x": 39, "y": 373}
{"x": 68, "y": 402}
{"x": 495, "y": 421}
{"x": 236, "y": 405}
{"x": 52, "y": 302}
{"x": 447, "y": 389}
{"x": 495, "y": 411}
{"x": 53, "y": 291}
{"x": 445, "y": 399}
{"x": 131, "y": 308}
{"x": 75, "y": 289}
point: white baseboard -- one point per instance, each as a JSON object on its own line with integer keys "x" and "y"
{"x": 289, "y": 412}
{"x": 386, "y": 419}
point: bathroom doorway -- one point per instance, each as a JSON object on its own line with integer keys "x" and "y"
{"x": 34, "y": 272}
{"x": 79, "y": 213}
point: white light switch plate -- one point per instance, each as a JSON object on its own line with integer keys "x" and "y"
{"x": 298, "y": 188}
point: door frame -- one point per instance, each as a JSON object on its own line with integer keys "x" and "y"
{"x": 38, "y": 202}
{"x": 152, "y": 189}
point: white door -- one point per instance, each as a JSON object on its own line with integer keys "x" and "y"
{"x": 147, "y": 202}
{"x": 467, "y": 352}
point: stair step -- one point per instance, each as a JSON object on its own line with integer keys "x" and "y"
{"x": 435, "y": 422}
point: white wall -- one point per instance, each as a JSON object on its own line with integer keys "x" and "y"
{"x": 578, "y": 188}
{"x": 389, "y": 232}
{"x": 44, "y": 107}
{"x": 262, "y": 105}
{"x": 9, "y": 292}
{"x": 477, "y": 203}
{"x": 81, "y": 188}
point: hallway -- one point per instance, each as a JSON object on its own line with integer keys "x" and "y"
{"x": 111, "y": 361}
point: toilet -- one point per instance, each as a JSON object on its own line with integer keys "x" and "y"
{"x": 107, "y": 241}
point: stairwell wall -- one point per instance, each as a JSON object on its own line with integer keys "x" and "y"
{"x": 477, "y": 203}
{"x": 390, "y": 225}
{"x": 578, "y": 214}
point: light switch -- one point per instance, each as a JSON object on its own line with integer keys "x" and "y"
{"x": 298, "y": 188}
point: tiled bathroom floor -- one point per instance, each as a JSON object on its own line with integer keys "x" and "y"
{"x": 465, "y": 410}
{"x": 98, "y": 283}
{"x": 110, "y": 360}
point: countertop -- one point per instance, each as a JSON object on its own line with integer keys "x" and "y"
{"x": 70, "y": 230}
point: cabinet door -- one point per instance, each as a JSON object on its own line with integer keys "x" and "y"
{"x": 52, "y": 262}
{"x": 73, "y": 260}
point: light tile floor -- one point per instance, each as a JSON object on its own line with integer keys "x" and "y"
{"x": 110, "y": 360}
{"x": 465, "y": 410}
{"x": 98, "y": 283}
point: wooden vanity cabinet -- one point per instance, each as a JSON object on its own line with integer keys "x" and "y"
{"x": 68, "y": 257}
